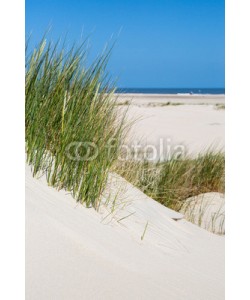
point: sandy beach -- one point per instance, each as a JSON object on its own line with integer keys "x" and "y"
{"x": 140, "y": 99}
{"x": 124, "y": 150}
{"x": 141, "y": 249}
{"x": 195, "y": 121}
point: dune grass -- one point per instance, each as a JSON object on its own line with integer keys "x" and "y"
{"x": 71, "y": 117}
{"x": 75, "y": 130}
{"x": 173, "y": 181}
{"x": 219, "y": 106}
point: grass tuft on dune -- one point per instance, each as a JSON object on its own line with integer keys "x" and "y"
{"x": 172, "y": 182}
{"x": 75, "y": 132}
{"x": 70, "y": 118}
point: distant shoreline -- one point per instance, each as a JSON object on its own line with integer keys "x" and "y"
{"x": 181, "y": 95}
{"x": 164, "y": 99}
{"x": 172, "y": 91}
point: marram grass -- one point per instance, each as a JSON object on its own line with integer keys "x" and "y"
{"x": 71, "y": 116}
{"x": 172, "y": 182}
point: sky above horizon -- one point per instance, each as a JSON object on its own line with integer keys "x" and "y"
{"x": 159, "y": 44}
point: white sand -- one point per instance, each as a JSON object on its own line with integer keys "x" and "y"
{"x": 196, "y": 123}
{"x": 74, "y": 253}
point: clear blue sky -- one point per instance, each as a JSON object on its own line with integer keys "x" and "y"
{"x": 171, "y": 43}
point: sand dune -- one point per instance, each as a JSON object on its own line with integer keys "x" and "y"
{"x": 206, "y": 210}
{"x": 77, "y": 253}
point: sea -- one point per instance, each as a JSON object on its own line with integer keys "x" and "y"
{"x": 213, "y": 91}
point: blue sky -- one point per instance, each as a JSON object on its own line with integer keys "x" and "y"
{"x": 171, "y": 43}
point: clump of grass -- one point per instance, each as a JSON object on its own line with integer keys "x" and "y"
{"x": 173, "y": 181}
{"x": 71, "y": 117}
{"x": 152, "y": 104}
{"x": 219, "y": 106}
{"x": 127, "y": 102}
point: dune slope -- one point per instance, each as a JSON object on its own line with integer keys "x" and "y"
{"x": 77, "y": 253}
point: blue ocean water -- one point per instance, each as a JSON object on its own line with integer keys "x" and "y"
{"x": 171, "y": 90}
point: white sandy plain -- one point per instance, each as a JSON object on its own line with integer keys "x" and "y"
{"x": 77, "y": 253}
{"x": 189, "y": 124}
